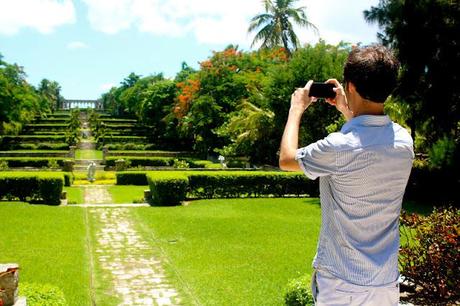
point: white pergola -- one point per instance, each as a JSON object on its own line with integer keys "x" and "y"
{"x": 69, "y": 104}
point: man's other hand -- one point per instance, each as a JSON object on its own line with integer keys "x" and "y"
{"x": 300, "y": 99}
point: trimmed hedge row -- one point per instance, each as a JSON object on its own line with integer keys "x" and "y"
{"x": 33, "y": 186}
{"x": 218, "y": 184}
{"x": 34, "y": 138}
{"x": 118, "y": 139}
{"x": 143, "y": 161}
{"x": 36, "y": 153}
{"x": 38, "y": 146}
{"x": 36, "y": 162}
{"x": 156, "y": 153}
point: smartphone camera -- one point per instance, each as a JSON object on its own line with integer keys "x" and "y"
{"x": 322, "y": 90}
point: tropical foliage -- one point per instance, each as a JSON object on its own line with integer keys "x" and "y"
{"x": 275, "y": 27}
{"x": 235, "y": 104}
{"x": 20, "y": 102}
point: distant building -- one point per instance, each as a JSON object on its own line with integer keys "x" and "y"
{"x": 69, "y": 104}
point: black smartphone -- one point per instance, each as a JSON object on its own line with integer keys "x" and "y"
{"x": 321, "y": 90}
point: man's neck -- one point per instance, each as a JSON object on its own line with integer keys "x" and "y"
{"x": 367, "y": 107}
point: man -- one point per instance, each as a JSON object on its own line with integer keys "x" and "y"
{"x": 363, "y": 171}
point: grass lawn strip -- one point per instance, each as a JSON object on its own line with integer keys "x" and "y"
{"x": 235, "y": 251}
{"x": 128, "y": 262}
{"x": 48, "y": 243}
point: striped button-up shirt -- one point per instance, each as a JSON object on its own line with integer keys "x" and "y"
{"x": 363, "y": 171}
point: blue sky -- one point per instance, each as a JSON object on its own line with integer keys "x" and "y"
{"x": 90, "y": 45}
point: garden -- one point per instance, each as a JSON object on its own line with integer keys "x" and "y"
{"x": 171, "y": 192}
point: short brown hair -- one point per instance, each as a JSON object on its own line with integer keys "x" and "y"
{"x": 373, "y": 70}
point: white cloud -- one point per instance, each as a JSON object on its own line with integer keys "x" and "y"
{"x": 76, "y": 45}
{"x": 42, "y": 15}
{"x": 221, "y": 22}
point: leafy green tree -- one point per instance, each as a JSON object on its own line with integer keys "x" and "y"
{"x": 50, "y": 92}
{"x": 19, "y": 102}
{"x": 424, "y": 34}
{"x": 275, "y": 27}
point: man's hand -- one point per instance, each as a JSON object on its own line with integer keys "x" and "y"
{"x": 290, "y": 141}
{"x": 340, "y": 100}
{"x": 300, "y": 99}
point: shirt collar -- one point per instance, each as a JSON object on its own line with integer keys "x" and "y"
{"x": 366, "y": 120}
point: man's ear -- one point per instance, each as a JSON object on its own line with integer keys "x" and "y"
{"x": 351, "y": 88}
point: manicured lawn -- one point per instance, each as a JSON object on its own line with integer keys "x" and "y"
{"x": 88, "y": 154}
{"x": 234, "y": 251}
{"x": 49, "y": 245}
{"x": 75, "y": 195}
{"x": 127, "y": 193}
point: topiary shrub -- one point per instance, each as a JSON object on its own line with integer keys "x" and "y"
{"x": 429, "y": 256}
{"x": 168, "y": 188}
{"x": 131, "y": 178}
{"x": 42, "y": 294}
{"x": 297, "y": 292}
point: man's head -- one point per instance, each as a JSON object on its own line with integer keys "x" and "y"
{"x": 373, "y": 71}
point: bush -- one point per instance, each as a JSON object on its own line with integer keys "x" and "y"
{"x": 168, "y": 188}
{"x": 428, "y": 184}
{"x": 68, "y": 179}
{"x": 42, "y": 295}
{"x": 35, "y": 186}
{"x": 142, "y": 161}
{"x": 131, "y": 178}
{"x": 36, "y": 162}
{"x": 180, "y": 164}
{"x": 441, "y": 154}
{"x": 429, "y": 257}
{"x": 37, "y": 146}
{"x": 3, "y": 165}
{"x": 231, "y": 184}
{"x": 297, "y": 292}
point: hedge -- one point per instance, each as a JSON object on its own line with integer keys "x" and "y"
{"x": 118, "y": 139}
{"x": 36, "y": 162}
{"x": 38, "y": 146}
{"x": 232, "y": 184}
{"x": 35, "y": 186}
{"x": 132, "y": 178}
{"x": 168, "y": 188}
{"x": 225, "y": 184}
{"x": 155, "y": 153}
{"x": 145, "y": 161}
{"x": 34, "y": 138}
{"x": 34, "y": 153}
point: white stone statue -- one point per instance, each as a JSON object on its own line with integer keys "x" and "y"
{"x": 222, "y": 161}
{"x": 92, "y": 172}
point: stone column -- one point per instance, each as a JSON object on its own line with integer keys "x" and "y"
{"x": 105, "y": 152}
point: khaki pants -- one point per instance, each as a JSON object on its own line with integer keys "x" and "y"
{"x": 329, "y": 290}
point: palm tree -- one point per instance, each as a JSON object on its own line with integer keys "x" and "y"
{"x": 275, "y": 26}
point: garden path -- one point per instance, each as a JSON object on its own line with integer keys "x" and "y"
{"x": 129, "y": 262}
{"x": 128, "y": 265}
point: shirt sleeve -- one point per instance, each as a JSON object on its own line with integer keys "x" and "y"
{"x": 317, "y": 159}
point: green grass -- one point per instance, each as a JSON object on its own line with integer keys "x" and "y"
{"x": 49, "y": 245}
{"x": 88, "y": 154}
{"x": 234, "y": 251}
{"x": 75, "y": 195}
{"x": 127, "y": 193}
